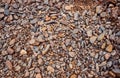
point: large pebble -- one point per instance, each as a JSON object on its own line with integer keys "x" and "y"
{"x": 109, "y": 48}
{"x": 12, "y": 42}
{"x": 93, "y": 39}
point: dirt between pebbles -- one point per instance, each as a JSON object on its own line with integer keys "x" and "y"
{"x": 59, "y": 39}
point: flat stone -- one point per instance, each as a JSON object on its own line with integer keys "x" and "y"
{"x": 23, "y": 52}
{"x": 38, "y": 75}
{"x": 10, "y": 50}
{"x": 73, "y": 76}
{"x": 93, "y": 39}
{"x": 68, "y": 7}
{"x": 50, "y": 69}
{"x": 46, "y": 49}
{"x": 101, "y": 36}
{"x": 107, "y": 56}
{"x": 1, "y": 10}
{"x": 109, "y": 48}
{"x": 12, "y": 42}
{"x": 1, "y": 16}
{"x": 72, "y": 54}
{"x": 9, "y": 64}
{"x": 89, "y": 32}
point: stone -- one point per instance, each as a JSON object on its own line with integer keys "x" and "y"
{"x": 23, "y": 52}
{"x": 89, "y": 32}
{"x": 107, "y": 56}
{"x": 72, "y": 54}
{"x": 101, "y": 36}
{"x": 98, "y": 9}
{"x": 117, "y": 72}
{"x": 46, "y": 1}
{"x": 1, "y": 10}
{"x": 38, "y": 75}
{"x": 40, "y": 39}
{"x": 46, "y": 49}
{"x": 73, "y": 76}
{"x": 109, "y": 48}
{"x": 68, "y": 7}
{"x": 10, "y": 18}
{"x": 93, "y": 39}
{"x": 12, "y": 42}
{"x": 1, "y": 16}
{"x": 103, "y": 14}
{"x": 47, "y": 18}
{"x": 26, "y": 74}
{"x": 10, "y": 50}
{"x": 76, "y": 15}
{"x": 40, "y": 61}
{"x": 9, "y": 64}
{"x": 6, "y": 12}
{"x": 103, "y": 45}
{"x": 17, "y": 68}
{"x": 32, "y": 41}
{"x": 50, "y": 69}
{"x": 34, "y": 21}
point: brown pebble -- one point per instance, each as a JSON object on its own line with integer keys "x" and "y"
{"x": 9, "y": 64}
{"x": 107, "y": 56}
{"x": 38, "y": 75}
{"x": 12, "y": 42}
{"x": 50, "y": 69}
{"x": 73, "y": 76}
{"x": 10, "y": 50}
{"x": 109, "y": 48}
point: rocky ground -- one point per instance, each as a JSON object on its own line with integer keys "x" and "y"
{"x": 59, "y": 39}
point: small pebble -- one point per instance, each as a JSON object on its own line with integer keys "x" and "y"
{"x": 107, "y": 56}
{"x": 9, "y": 64}
{"x": 23, "y": 52}
{"x": 72, "y": 54}
{"x": 93, "y": 39}
{"x": 73, "y": 76}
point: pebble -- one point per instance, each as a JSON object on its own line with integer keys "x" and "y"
{"x": 103, "y": 14}
{"x": 9, "y": 64}
{"x": 17, "y": 68}
{"x": 50, "y": 69}
{"x": 34, "y": 21}
{"x": 38, "y": 75}
{"x": 6, "y": 12}
{"x": 101, "y": 36}
{"x": 10, "y": 50}
{"x": 89, "y": 32}
{"x": 12, "y": 42}
{"x": 1, "y": 16}
{"x": 40, "y": 39}
{"x": 32, "y": 41}
{"x": 40, "y": 61}
{"x": 46, "y": 49}
{"x": 76, "y": 15}
{"x": 93, "y": 39}
{"x": 73, "y": 76}
{"x": 46, "y": 1}
{"x": 109, "y": 48}
{"x": 107, "y": 56}
{"x": 103, "y": 45}
{"x": 47, "y": 18}
{"x": 68, "y": 7}
{"x": 72, "y": 54}
{"x": 10, "y": 18}
{"x": 98, "y": 9}
{"x": 23, "y": 52}
{"x": 1, "y": 10}
{"x": 116, "y": 71}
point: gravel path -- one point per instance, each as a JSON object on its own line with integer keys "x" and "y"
{"x": 59, "y": 39}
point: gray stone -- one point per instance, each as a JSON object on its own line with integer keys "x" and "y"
{"x": 76, "y": 15}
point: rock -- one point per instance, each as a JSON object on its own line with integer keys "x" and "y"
{"x": 23, "y": 52}
{"x": 32, "y": 41}
{"x": 1, "y": 10}
{"x": 34, "y": 21}
{"x": 12, "y": 42}
{"x": 38, "y": 75}
{"x": 40, "y": 61}
{"x": 103, "y": 63}
{"x": 46, "y": 49}
{"x": 68, "y": 7}
{"x": 6, "y": 12}
{"x": 76, "y": 15}
{"x": 50, "y": 69}
{"x": 103, "y": 14}
{"x": 40, "y": 39}
{"x": 109, "y": 48}
{"x": 1, "y": 16}
{"x": 9, "y": 64}
{"x": 73, "y": 76}
{"x": 17, "y": 68}
{"x": 101, "y": 36}
{"x": 10, "y": 50}
{"x": 26, "y": 74}
{"x": 98, "y": 9}
{"x": 103, "y": 45}
{"x": 89, "y": 32}
{"x": 72, "y": 54}
{"x": 107, "y": 56}
{"x": 93, "y": 39}
{"x": 10, "y": 18}
{"x": 47, "y": 18}
{"x": 46, "y": 1}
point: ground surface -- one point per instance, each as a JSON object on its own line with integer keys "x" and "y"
{"x": 59, "y": 39}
